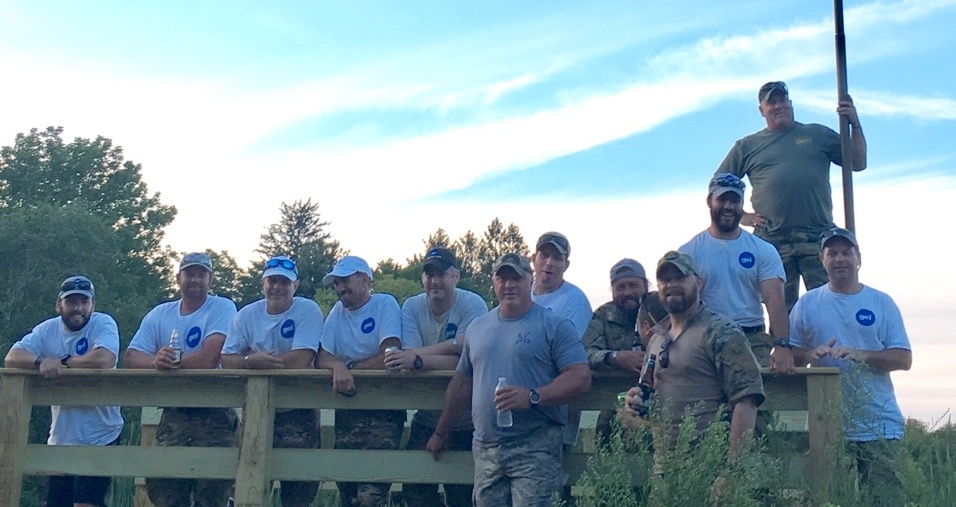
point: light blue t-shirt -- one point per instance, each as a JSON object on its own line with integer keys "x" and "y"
{"x": 421, "y": 328}
{"x": 214, "y": 316}
{"x": 867, "y": 320}
{"x": 256, "y": 330}
{"x": 355, "y": 335}
{"x": 569, "y": 302}
{"x": 530, "y": 351}
{"x": 77, "y": 425}
{"x": 732, "y": 270}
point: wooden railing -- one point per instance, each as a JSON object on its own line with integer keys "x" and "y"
{"x": 254, "y": 464}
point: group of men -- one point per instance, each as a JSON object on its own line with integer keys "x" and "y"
{"x": 704, "y": 326}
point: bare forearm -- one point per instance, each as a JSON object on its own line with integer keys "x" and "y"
{"x": 327, "y": 361}
{"x": 98, "y": 358}
{"x": 742, "y": 422}
{"x": 298, "y": 359}
{"x": 232, "y": 361}
{"x": 439, "y": 362}
{"x": 457, "y": 401}
{"x": 888, "y": 360}
{"x": 858, "y": 145}
{"x": 20, "y": 358}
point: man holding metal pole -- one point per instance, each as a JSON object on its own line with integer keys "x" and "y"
{"x": 788, "y": 165}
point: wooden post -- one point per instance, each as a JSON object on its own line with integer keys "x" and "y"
{"x": 825, "y": 427}
{"x": 148, "y": 421}
{"x": 255, "y": 448}
{"x": 14, "y": 430}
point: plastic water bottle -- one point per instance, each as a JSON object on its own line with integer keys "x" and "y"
{"x": 177, "y": 347}
{"x": 504, "y": 416}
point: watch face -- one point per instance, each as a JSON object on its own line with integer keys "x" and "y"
{"x": 418, "y": 362}
{"x": 534, "y": 396}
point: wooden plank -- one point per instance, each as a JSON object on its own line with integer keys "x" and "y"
{"x": 149, "y": 419}
{"x": 138, "y": 391}
{"x": 131, "y": 461}
{"x": 825, "y": 424}
{"x": 255, "y": 451}
{"x": 14, "y": 430}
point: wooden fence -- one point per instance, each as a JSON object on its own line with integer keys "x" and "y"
{"x": 254, "y": 464}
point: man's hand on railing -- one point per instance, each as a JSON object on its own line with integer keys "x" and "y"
{"x": 262, "y": 361}
{"x": 436, "y": 444}
{"x": 342, "y": 380}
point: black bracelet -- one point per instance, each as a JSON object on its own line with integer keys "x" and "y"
{"x": 37, "y": 361}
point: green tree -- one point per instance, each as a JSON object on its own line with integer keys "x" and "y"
{"x": 300, "y": 234}
{"x": 227, "y": 275}
{"x": 40, "y": 168}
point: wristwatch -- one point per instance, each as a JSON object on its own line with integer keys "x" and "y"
{"x": 534, "y": 397}
{"x": 37, "y": 361}
{"x": 64, "y": 359}
{"x": 418, "y": 363}
{"x": 350, "y": 364}
{"x": 783, "y": 342}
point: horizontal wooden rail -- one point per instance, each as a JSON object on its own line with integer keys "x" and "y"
{"x": 254, "y": 464}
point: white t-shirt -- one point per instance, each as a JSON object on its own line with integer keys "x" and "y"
{"x": 420, "y": 327}
{"x": 255, "y": 330}
{"x": 214, "y": 316}
{"x": 570, "y": 302}
{"x": 867, "y": 320}
{"x": 732, "y": 270}
{"x": 357, "y": 335}
{"x": 77, "y": 425}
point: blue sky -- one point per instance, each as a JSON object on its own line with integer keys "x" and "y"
{"x": 600, "y": 119}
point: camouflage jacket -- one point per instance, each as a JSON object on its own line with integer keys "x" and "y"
{"x": 610, "y": 329}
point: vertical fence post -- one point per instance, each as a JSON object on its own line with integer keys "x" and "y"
{"x": 825, "y": 428}
{"x": 255, "y": 444}
{"x": 14, "y": 430}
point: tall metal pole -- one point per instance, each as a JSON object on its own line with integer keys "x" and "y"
{"x": 846, "y": 149}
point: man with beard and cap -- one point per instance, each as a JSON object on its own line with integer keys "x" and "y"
{"x": 359, "y": 328}
{"x": 703, "y": 360}
{"x": 858, "y": 329}
{"x": 78, "y": 338}
{"x": 739, "y": 271}
{"x": 788, "y": 164}
{"x": 611, "y": 340}
{"x": 201, "y": 320}
{"x": 544, "y": 365}
{"x": 434, "y": 322}
{"x": 277, "y": 332}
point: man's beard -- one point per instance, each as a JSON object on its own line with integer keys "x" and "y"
{"x": 685, "y": 301}
{"x": 715, "y": 216}
{"x": 68, "y": 322}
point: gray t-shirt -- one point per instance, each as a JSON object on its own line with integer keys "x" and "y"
{"x": 420, "y": 328}
{"x": 530, "y": 351}
{"x": 790, "y": 175}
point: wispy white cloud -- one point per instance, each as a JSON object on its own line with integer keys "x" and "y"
{"x": 882, "y": 103}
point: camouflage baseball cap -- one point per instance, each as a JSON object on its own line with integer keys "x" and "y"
{"x": 560, "y": 241}
{"x": 770, "y": 88}
{"x": 837, "y": 232}
{"x": 627, "y": 268}
{"x": 683, "y": 262}
{"x": 517, "y": 262}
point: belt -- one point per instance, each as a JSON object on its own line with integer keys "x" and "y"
{"x": 753, "y": 329}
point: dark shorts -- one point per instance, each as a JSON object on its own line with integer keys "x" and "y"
{"x": 65, "y": 490}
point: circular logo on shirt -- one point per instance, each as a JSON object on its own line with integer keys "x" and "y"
{"x": 287, "y": 329}
{"x": 193, "y": 336}
{"x": 368, "y": 325}
{"x": 865, "y": 317}
{"x": 747, "y": 260}
{"x": 451, "y": 331}
{"x": 82, "y": 345}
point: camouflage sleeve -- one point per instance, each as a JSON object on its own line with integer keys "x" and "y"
{"x": 735, "y": 362}
{"x": 596, "y": 344}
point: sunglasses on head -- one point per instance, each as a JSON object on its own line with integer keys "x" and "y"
{"x": 728, "y": 180}
{"x": 76, "y": 284}
{"x": 280, "y": 263}
{"x": 553, "y": 238}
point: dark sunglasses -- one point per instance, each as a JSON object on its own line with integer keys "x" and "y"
{"x": 76, "y": 284}
{"x": 664, "y": 358}
{"x": 554, "y": 238}
{"x": 280, "y": 263}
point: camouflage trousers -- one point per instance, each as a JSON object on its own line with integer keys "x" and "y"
{"x": 800, "y": 253}
{"x": 367, "y": 429}
{"x": 880, "y": 465}
{"x": 426, "y": 495}
{"x": 524, "y": 471}
{"x": 193, "y": 427}
{"x": 297, "y": 429}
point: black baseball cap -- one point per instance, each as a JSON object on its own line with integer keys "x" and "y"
{"x": 441, "y": 258}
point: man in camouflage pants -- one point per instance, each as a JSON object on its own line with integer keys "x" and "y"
{"x": 359, "y": 328}
{"x": 202, "y": 321}
{"x": 611, "y": 340}
{"x": 281, "y": 331}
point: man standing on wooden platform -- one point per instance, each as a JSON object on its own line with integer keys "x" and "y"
{"x": 78, "y": 338}
{"x": 276, "y": 332}
{"x": 201, "y": 321}
{"x": 359, "y": 328}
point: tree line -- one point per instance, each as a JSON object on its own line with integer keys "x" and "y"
{"x": 80, "y": 207}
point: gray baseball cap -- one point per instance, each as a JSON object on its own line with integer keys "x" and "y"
{"x": 627, "y": 268}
